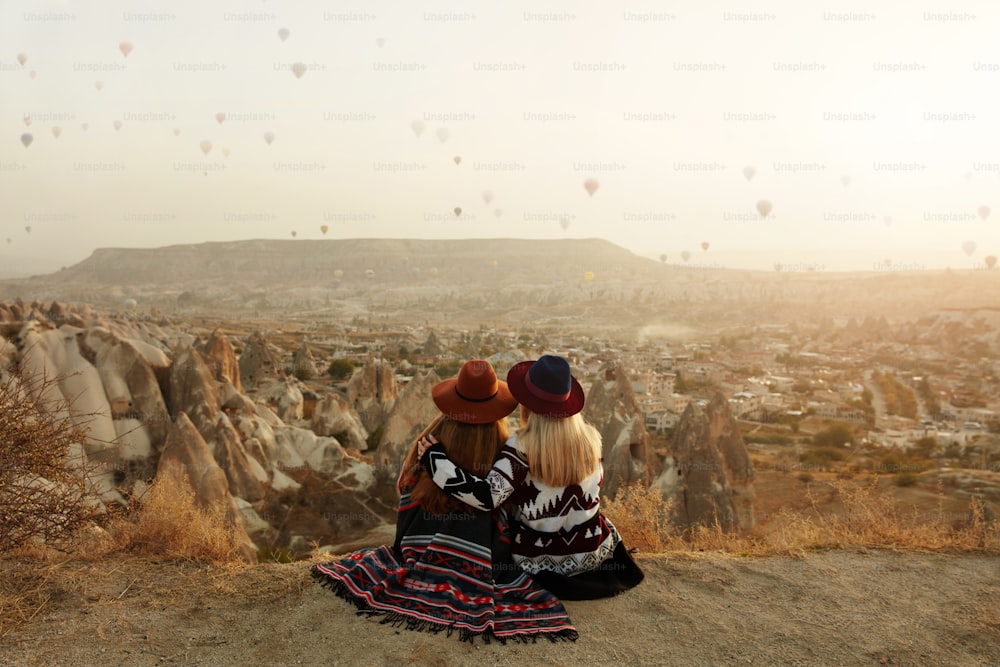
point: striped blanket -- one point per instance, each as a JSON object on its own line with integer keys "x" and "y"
{"x": 445, "y": 573}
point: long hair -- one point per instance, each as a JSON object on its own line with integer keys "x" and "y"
{"x": 472, "y": 447}
{"x": 559, "y": 452}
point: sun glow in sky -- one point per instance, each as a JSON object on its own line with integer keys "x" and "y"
{"x": 873, "y": 129}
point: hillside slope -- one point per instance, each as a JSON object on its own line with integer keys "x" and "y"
{"x": 833, "y": 608}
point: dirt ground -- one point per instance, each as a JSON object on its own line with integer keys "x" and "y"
{"x": 829, "y": 608}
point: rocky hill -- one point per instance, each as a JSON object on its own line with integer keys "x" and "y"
{"x": 379, "y": 262}
{"x": 580, "y": 284}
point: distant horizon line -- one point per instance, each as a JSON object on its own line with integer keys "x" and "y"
{"x": 789, "y": 260}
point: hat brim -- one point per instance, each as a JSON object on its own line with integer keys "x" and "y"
{"x": 559, "y": 410}
{"x": 458, "y": 409}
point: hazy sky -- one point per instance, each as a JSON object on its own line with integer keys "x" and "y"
{"x": 872, "y": 128}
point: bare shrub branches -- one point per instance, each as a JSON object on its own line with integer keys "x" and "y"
{"x": 43, "y": 476}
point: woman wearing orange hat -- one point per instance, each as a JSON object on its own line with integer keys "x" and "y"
{"x": 450, "y": 566}
{"x": 550, "y": 473}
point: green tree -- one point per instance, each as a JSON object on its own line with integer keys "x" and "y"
{"x": 834, "y": 435}
{"x": 925, "y": 446}
{"x": 340, "y": 369}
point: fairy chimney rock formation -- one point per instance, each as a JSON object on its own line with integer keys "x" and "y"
{"x": 259, "y": 363}
{"x": 221, "y": 359}
{"x": 303, "y": 363}
{"x": 371, "y": 392}
{"x": 411, "y": 413}
{"x": 332, "y": 416}
{"x": 193, "y": 389}
{"x": 611, "y": 407}
{"x": 716, "y": 474}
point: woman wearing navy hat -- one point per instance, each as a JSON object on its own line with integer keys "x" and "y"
{"x": 550, "y": 474}
{"x": 450, "y": 566}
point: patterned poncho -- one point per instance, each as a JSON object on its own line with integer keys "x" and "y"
{"x": 558, "y": 529}
{"x": 448, "y": 572}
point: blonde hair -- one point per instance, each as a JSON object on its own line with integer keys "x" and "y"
{"x": 559, "y": 452}
{"x": 472, "y": 447}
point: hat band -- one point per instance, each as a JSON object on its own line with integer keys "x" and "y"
{"x": 475, "y": 400}
{"x": 541, "y": 393}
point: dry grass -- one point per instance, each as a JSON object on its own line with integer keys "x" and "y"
{"x": 863, "y": 516}
{"x": 171, "y": 525}
{"x": 642, "y": 517}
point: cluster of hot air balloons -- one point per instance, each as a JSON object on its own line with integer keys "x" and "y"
{"x": 418, "y": 127}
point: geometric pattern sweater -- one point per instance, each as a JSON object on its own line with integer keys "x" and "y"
{"x": 556, "y": 528}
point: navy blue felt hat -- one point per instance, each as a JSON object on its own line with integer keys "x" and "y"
{"x": 546, "y": 387}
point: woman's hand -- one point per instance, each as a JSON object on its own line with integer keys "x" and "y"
{"x": 424, "y": 443}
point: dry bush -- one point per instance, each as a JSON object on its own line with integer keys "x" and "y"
{"x": 641, "y": 516}
{"x": 868, "y": 518}
{"x": 872, "y": 518}
{"x": 170, "y": 524}
{"x": 43, "y": 478}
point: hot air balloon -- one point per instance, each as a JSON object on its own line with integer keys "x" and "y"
{"x": 487, "y": 196}
{"x": 379, "y": 42}
{"x": 32, "y": 74}
{"x": 984, "y": 212}
{"x": 126, "y": 48}
{"x": 588, "y": 276}
{"x": 22, "y": 58}
{"x": 591, "y": 185}
{"x": 845, "y": 180}
{"x": 418, "y": 127}
{"x": 685, "y": 255}
{"x": 99, "y": 85}
{"x": 85, "y": 126}
{"x": 225, "y": 151}
{"x": 324, "y": 229}
{"x": 338, "y": 274}
{"x": 206, "y": 146}
{"x": 442, "y": 134}
{"x": 294, "y": 233}
{"x": 458, "y": 211}
{"x": 991, "y": 261}
{"x": 117, "y": 124}
{"x": 497, "y": 212}
{"x": 26, "y": 139}
{"x": 219, "y": 117}
{"x": 969, "y": 247}
{"x": 748, "y": 172}
{"x": 764, "y": 208}
{"x": 663, "y": 259}
{"x": 457, "y": 159}
{"x": 56, "y": 131}
{"x": 27, "y": 121}
{"x": 704, "y": 245}
{"x": 8, "y": 239}
{"x": 27, "y": 228}
{"x": 298, "y": 69}
{"x": 129, "y": 303}
{"x": 283, "y": 34}
{"x": 269, "y": 137}
{"x": 564, "y": 223}
{"x": 177, "y": 131}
